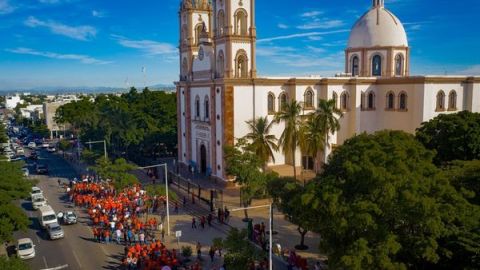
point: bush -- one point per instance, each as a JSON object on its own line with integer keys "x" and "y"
{"x": 186, "y": 251}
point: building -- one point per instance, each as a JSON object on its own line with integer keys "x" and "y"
{"x": 49, "y": 111}
{"x": 34, "y": 112}
{"x": 219, "y": 90}
{"x": 11, "y": 102}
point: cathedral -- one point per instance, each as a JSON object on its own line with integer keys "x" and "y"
{"x": 219, "y": 91}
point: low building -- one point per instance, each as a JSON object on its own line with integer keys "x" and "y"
{"x": 49, "y": 112}
{"x": 11, "y": 102}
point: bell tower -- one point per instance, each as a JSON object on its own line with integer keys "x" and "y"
{"x": 378, "y": 3}
{"x": 235, "y": 38}
{"x": 195, "y": 17}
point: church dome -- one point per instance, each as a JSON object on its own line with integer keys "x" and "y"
{"x": 378, "y": 27}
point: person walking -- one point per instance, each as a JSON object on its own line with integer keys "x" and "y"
{"x": 212, "y": 254}
{"x": 199, "y": 251}
{"x": 209, "y": 220}
{"x": 163, "y": 234}
{"x": 202, "y": 222}
{"x": 184, "y": 201}
{"x": 194, "y": 223}
{"x": 176, "y": 207}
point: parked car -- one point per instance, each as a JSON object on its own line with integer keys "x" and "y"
{"x": 33, "y": 155}
{"x": 32, "y": 145}
{"x": 68, "y": 217}
{"x": 41, "y": 169}
{"x": 20, "y": 151}
{"x": 35, "y": 191}
{"x": 51, "y": 149}
{"x": 45, "y": 145}
{"x": 38, "y": 201}
{"x": 26, "y": 172}
{"x": 55, "y": 231}
{"x": 25, "y": 248}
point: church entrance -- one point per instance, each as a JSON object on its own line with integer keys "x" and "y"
{"x": 203, "y": 159}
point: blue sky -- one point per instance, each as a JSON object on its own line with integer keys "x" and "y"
{"x": 106, "y": 43}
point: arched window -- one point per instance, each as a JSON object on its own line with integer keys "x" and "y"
{"x": 220, "y": 65}
{"x": 241, "y": 22}
{"x": 452, "y": 100}
{"x": 184, "y": 34}
{"x": 355, "y": 66}
{"x": 198, "y": 31}
{"x": 241, "y": 68}
{"x": 371, "y": 101}
{"x": 184, "y": 69}
{"x": 283, "y": 101}
{"x": 207, "y": 108}
{"x": 335, "y": 97}
{"x": 344, "y": 101}
{"x": 197, "y": 107}
{"x": 220, "y": 23}
{"x": 308, "y": 98}
{"x": 377, "y": 65}
{"x": 440, "y": 101}
{"x": 402, "y": 101}
{"x": 399, "y": 65}
{"x": 271, "y": 103}
{"x": 390, "y": 101}
{"x": 362, "y": 101}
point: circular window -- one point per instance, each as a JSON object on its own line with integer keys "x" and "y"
{"x": 184, "y": 134}
{"x": 218, "y": 167}
{"x": 218, "y": 142}
{"x": 183, "y": 113}
{"x": 185, "y": 155}
{"x": 218, "y": 116}
{"x": 183, "y": 92}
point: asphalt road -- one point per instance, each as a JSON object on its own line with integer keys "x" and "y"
{"x": 76, "y": 250}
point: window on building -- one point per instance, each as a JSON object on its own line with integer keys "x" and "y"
{"x": 198, "y": 31}
{"x": 335, "y": 97}
{"x": 271, "y": 103}
{"x": 371, "y": 101}
{"x": 197, "y": 107}
{"x": 362, "y": 101}
{"x": 241, "y": 22}
{"x": 308, "y": 98}
{"x": 402, "y": 101}
{"x": 398, "y": 65}
{"x": 390, "y": 101}
{"x": 440, "y": 101}
{"x": 452, "y": 100}
{"x": 184, "y": 69}
{"x": 220, "y": 65}
{"x": 283, "y": 101}
{"x": 207, "y": 108}
{"x": 344, "y": 101}
{"x": 241, "y": 65}
{"x": 220, "y": 23}
{"x": 377, "y": 65}
{"x": 355, "y": 66}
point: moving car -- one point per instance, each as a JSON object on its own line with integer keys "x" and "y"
{"x": 32, "y": 145}
{"x": 51, "y": 149}
{"x": 46, "y": 216}
{"x": 55, "y": 231}
{"x": 26, "y": 172}
{"x": 45, "y": 145}
{"x": 68, "y": 217}
{"x": 35, "y": 191}
{"x": 38, "y": 201}
{"x": 20, "y": 151}
{"x": 25, "y": 248}
{"x": 41, "y": 169}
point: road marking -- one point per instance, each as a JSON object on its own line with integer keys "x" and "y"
{"x": 57, "y": 268}
{"x": 38, "y": 240}
{"x": 104, "y": 251}
{"x": 45, "y": 261}
{"x": 76, "y": 258}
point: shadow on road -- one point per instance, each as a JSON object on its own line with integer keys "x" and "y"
{"x": 115, "y": 262}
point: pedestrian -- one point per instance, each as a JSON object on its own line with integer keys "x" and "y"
{"x": 202, "y": 222}
{"x": 212, "y": 254}
{"x": 176, "y": 207}
{"x": 193, "y": 198}
{"x": 194, "y": 223}
{"x": 209, "y": 219}
{"x": 163, "y": 234}
{"x": 118, "y": 234}
{"x": 227, "y": 214}
{"x": 184, "y": 201}
{"x": 199, "y": 251}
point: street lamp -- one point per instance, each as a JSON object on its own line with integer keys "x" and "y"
{"x": 104, "y": 146}
{"x": 269, "y": 206}
{"x": 166, "y": 190}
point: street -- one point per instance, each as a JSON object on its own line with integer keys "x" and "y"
{"x": 77, "y": 250}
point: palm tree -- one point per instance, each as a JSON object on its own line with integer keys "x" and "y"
{"x": 290, "y": 116}
{"x": 312, "y": 138}
{"x": 327, "y": 118}
{"x": 261, "y": 141}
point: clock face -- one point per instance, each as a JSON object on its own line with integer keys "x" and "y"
{"x": 201, "y": 53}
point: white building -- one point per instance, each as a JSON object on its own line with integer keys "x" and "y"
{"x": 32, "y": 112}
{"x": 219, "y": 89}
{"x": 11, "y": 102}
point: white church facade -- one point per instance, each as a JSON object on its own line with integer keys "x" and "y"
{"x": 219, "y": 89}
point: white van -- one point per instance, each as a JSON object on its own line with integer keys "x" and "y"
{"x": 46, "y": 216}
{"x": 38, "y": 201}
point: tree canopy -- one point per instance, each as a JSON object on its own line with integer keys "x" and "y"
{"x": 453, "y": 136}
{"x": 381, "y": 204}
{"x": 117, "y": 172}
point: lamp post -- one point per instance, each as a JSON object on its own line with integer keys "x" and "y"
{"x": 166, "y": 190}
{"x": 269, "y": 206}
{"x": 104, "y": 146}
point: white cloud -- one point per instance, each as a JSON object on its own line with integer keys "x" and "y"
{"x": 319, "y": 24}
{"x": 83, "y": 32}
{"x": 300, "y": 35}
{"x": 84, "y": 59}
{"x": 149, "y": 47}
{"x": 6, "y": 7}
{"x": 98, "y": 14}
{"x": 282, "y": 26}
{"x": 472, "y": 70}
{"x": 309, "y": 14}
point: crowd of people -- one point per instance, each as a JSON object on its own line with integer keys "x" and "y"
{"x": 118, "y": 217}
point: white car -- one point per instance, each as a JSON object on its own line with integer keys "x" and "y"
{"x": 38, "y": 201}
{"x": 32, "y": 145}
{"x": 20, "y": 151}
{"x": 35, "y": 191}
{"x": 26, "y": 172}
{"x": 51, "y": 149}
{"x": 45, "y": 145}
{"x": 25, "y": 248}
{"x": 55, "y": 231}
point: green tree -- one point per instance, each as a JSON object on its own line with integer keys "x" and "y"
{"x": 453, "y": 136}
{"x": 117, "y": 172}
{"x": 290, "y": 116}
{"x": 240, "y": 252}
{"x": 465, "y": 177}
{"x": 381, "y": 205}
{"x": 12, "y": 263}
{"x": 312, "y": 138}
{"x": 262, "y": 142}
